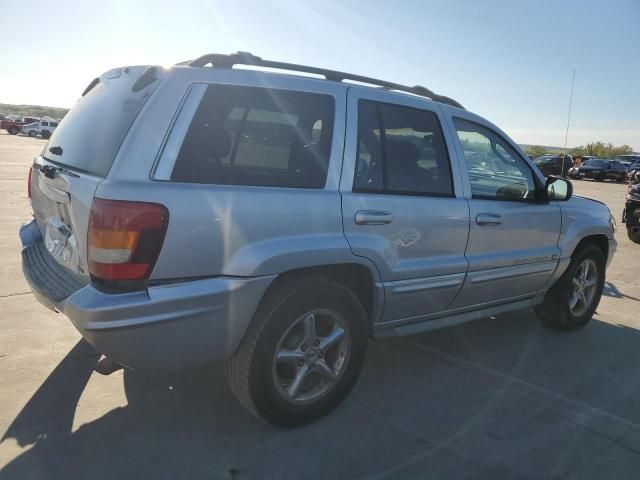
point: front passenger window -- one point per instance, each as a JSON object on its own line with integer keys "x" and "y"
{"x": 495, "y": 169}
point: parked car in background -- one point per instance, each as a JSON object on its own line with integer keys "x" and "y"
{"x": 287, "y": 219}
{"x": 44, "y": 128}
{"x": 601, "y": 170}
{"x": 554, "y": 165}
{"x": 13, "y": 123}
{"x": 11, "y": 126}
{"x": 628, "y": 159}
{"x": 633, "y": 171}
{"x": 631, "y": 213}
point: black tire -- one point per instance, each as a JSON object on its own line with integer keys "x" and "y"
{"x": 554, "y": 310}
{"x": 33, "y": 133}
{"x": 13, "y": 130}
{"x": 45, "y": 134}
{"x": 634, "y": 234}
{"x": 250, "y": 372}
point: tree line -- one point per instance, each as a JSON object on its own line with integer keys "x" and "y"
{"x": 595, "y": 149}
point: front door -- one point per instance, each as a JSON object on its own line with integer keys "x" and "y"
{"x": 400, "y": 207}
{"x": 513, "y": 238}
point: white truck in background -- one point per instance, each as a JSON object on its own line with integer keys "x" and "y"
{"x": 45, "y": 127}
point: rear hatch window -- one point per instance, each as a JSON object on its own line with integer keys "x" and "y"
{"x": 90, "y": 135}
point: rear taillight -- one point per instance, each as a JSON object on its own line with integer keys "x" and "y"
{"x": 29, "y": 182}
{"x": 124, "y": 239}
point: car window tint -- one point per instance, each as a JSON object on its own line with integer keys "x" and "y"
{"x": 401, "y": 150}
{"x": 496, "y": 171}
{"x": 258, "y": 136}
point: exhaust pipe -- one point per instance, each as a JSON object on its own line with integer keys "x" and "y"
{"x": 106, "y": 366}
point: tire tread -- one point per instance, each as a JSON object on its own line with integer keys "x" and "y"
{"x": 238, "y": 367}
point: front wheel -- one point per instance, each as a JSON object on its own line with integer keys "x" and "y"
{"x": 33, "y": 133}
{"x": 571, "y": 301}
{"x": 302, "y": 353}
{"x": 634, "y": 234}
{"x": 13, "y": 130}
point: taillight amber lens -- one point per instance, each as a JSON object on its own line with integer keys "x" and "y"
{"x": 125, "y": 238}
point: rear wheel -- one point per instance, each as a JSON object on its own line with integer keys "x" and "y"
{"x": 302, "y": 353}
{"x": 13, "y": 130}
{"x": 634, "y": 234}
{"x": 45, "y": 134}
{"x": 571, "y": 302}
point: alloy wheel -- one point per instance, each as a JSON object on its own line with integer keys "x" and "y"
{"x": 311, "y": 356}
{"x": 583, "y": 287}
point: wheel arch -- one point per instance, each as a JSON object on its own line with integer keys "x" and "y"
{"x": 360, "y": 278}
{"x": 600, "y": 240}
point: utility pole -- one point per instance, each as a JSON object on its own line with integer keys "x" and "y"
{"x": 566, "y": 133}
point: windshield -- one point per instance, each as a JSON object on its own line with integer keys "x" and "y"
{"x": 543, "y": 160}
{"x": 594, "y": 163}
{"x": 91, "y": 133}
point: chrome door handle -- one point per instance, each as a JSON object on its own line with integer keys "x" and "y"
{"x": 373, "y": 217}
{"x": 488, "y": 219}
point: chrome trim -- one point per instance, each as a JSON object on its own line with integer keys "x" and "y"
{"x": 430, "y": 283}
{"x": 511, "y": 271}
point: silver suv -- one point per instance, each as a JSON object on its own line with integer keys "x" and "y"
{"x": 203, "y": 213}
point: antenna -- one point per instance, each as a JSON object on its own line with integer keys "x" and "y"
{"x": 566, "y": 133}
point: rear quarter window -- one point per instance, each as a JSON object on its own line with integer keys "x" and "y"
{"x": 257, "y": 136}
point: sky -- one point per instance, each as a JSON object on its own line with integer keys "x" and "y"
{"x": 510, "y": 61}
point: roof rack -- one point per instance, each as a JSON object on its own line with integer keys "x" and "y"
{"x": 245, "y": 58}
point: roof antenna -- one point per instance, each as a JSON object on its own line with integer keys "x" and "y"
{"x": 566, "y": 133}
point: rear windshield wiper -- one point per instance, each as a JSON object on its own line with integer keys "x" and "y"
{"x": 56, "y": 150}
{"x": 49, "y": 171}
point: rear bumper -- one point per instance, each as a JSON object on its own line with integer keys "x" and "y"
{"x": 162, "y": 329}
{"x": 171, "y": 327}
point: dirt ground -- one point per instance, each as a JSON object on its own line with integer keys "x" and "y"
{"x": 498, "y": 398}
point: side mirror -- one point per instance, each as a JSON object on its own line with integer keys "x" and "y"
{"x": 558, "y": 189}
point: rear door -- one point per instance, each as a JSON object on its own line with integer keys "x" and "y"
{"x": 513, "y": 238}
{"x": 402, "y": 207}
{"x": 77, "y": 157}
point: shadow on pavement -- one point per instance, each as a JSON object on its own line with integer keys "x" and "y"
{"x": 610, "y": 290}
{"x": 410, "y": 415}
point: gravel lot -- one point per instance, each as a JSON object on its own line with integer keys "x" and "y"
{"x": 498, "y": 398}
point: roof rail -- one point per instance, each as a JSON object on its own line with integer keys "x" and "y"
{"x": 219, "y": 60}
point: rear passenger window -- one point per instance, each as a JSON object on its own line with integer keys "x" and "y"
{"x": 401, "y": 150}
{"x": 258, "y": 136}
